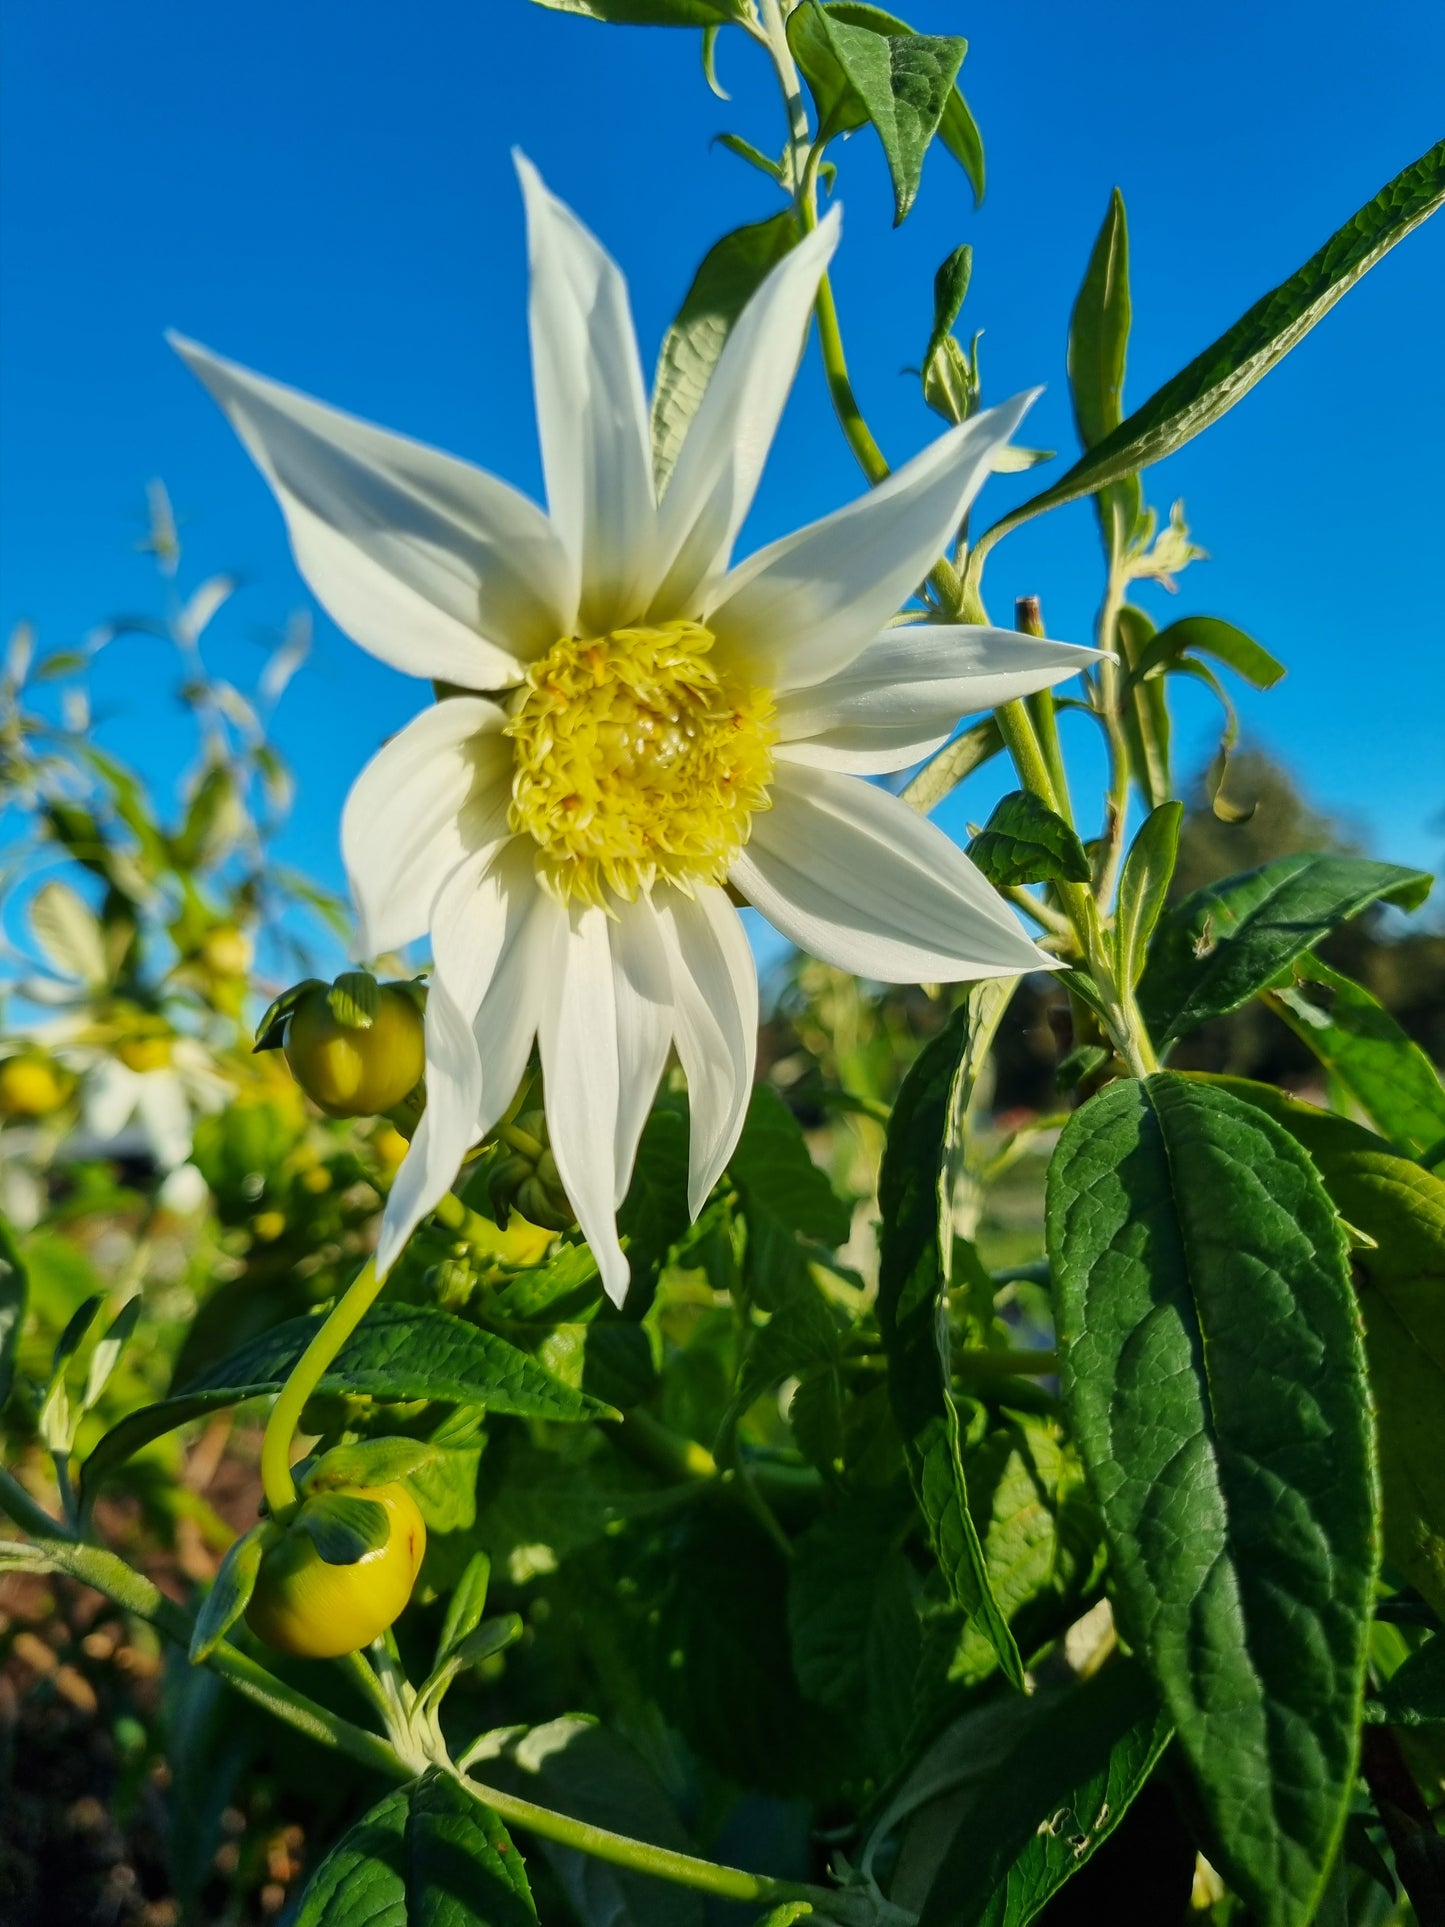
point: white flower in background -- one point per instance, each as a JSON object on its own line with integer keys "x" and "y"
{"x": 155, "y": 1086}
{"x": 657, "y": 725}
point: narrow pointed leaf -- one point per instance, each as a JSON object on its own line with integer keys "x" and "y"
{"x": 1213, "y": 1367}
{"x": 1226, "y": 371}
{"x": 107, "y": 1354}
{"x": 13, "y": 1297}
{"x": 467, "y": 1604}
{"x": 1360, "y": 1043}
{"x": 912, "y": 1304}
{"x": 230, "y": 1593}
{"x": 1207, "y": 635}
{"x": 1143, "y": 888}
{"x": 1098, "y": 350}
{"x": 1231, "y": 939}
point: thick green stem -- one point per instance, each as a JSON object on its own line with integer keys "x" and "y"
{"x": 306, "y": 1375}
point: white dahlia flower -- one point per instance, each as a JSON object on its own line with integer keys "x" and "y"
{"x": 652, "y": 728}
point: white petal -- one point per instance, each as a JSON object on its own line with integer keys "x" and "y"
{"x": 803, "y": 608}
{"x": 109, "y": 1098}
{"x": 436, "y": 791}
{"x": 642, "y": 985}
{"x": 715, "y": 988}
{"x": 492, "y": 937}
{"x": 165, "y": 1117}
{"x": 591, "y": 409}
{"x": 447, "y": 1131}
{"x": 432, "y": 565}
{"x": 580, "y": 1070}
{"x": 902, "y": 697}
{"x": 855, "y": 877}
{"x": 721, "y": 459}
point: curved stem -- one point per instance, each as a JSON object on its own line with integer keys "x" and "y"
{"x": 306, "y": 1374}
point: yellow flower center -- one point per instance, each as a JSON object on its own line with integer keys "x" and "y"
{"x": 637, "y": 761}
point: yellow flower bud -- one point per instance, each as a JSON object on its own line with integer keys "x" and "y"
{"x": 304, "y": 1606}
{"x": 31, "y": 1086}
{"x": 353, "y": 1072}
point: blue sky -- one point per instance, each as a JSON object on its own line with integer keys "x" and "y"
{"x": 325, "y": 192}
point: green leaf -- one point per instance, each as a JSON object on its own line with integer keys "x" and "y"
{"x": 369, "y": 1462}
{"x": 956, "y": 760}
{"x": 1359, "y": 1042}
{"x": 957, "y": 129}
{"x": 1143, "y": 887}
{"x": 427, "y": 1856}
{"x": 1210, "y": 637}
{"x": 1024, "y": 841}
{"x": 467, "y": 1604}
{"x": 902, "y": 82}
{"x": 230, "y": 1592}
{"x": 853, "y": 1623}
{"x": 916, "y": 1249}
{"x": 655, "y": 1214}
{"x": 1415, "y": 1694}
{"x": 1214, "y": 1372}
{"x": 1147, "y": 726}
{"x": 950, "y": 289}
{"x": 1231, "y": 939}
{"x": 1227, "y": 370}
{"x": 398, "y": 1352}
{"x": 1098, "y": 349}
{"x": 783, "y": 1192}
{"x": 354, "y": 999}
{"x": 14, "y": 1291}
{"x": 343, "y": 1527}
{"x": 732, "y": 271}
{"x": 754, "y": 156}
{"x": 576, "y": 1767}
{"x": 788, "y": 1914}
{"x": 69, "y": 932}
{"x": 1076, "y": 1765}
{"x": 107, "y": 1354}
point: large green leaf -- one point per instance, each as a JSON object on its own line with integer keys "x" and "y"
{"x": 398, "y": 1352}
{"x": 1415, "y": 1694}
{"x": 1400, "y": 1210}
{"x": 1024, "y": 841}
{"x": 427, "y": 1856}
{"x": 1229, "y": 368}
{"x": 916, "y": 1250}
{"x": 785, "y": 1196}
{"x": 957, "y": 130}
{"x": 731, "y": 272}
{"x": 900, "y": 81}
{"x": 579, "y": 1768}
{"x": 1059, "y": 1792}
{"x": 1229, "y": 940}
{"x": 1214, "y": 1369}
{"x": 1359, "y": 1042}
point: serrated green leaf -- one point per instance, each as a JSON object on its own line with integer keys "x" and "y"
{"x": 732, "y": 270}
{"x": 1360, "y": 1043}
{"x": 230, "y": 1592}
{"x": 342, "y": 1526}
{"x": 427, "y": 1856}
{"x": 398, "y": 1352}
{"x": 1227, "y": 370}
{"x": 1024, "y": 841}
{"x": 1143, "y": 887}
{"x": 774, "y": 1169}
{"x": 902, "y": 82}
{"x": 1209, "y": 636}
{"x": 1077, "y": 1763}
{"x": 1098, "y": 350}
{"x": 1213, "y": 1370}
{"x": 14, "y": 1293}
{"x": 912, "y": 1286}
{"x": 1229, "y": 940}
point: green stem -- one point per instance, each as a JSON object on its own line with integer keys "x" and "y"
{"x": 1006, "y": 1363}
{"x": 683, "y": 1869}
{"x": 1029, "y": 620}
{"x": 27, "y": 1511}
{"x": 306, "y": 1374}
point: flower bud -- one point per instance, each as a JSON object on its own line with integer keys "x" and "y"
{"x": 527, "y": 1179}
{"x": 356, "y": 1047}
{"x": 31, "y": 1085}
